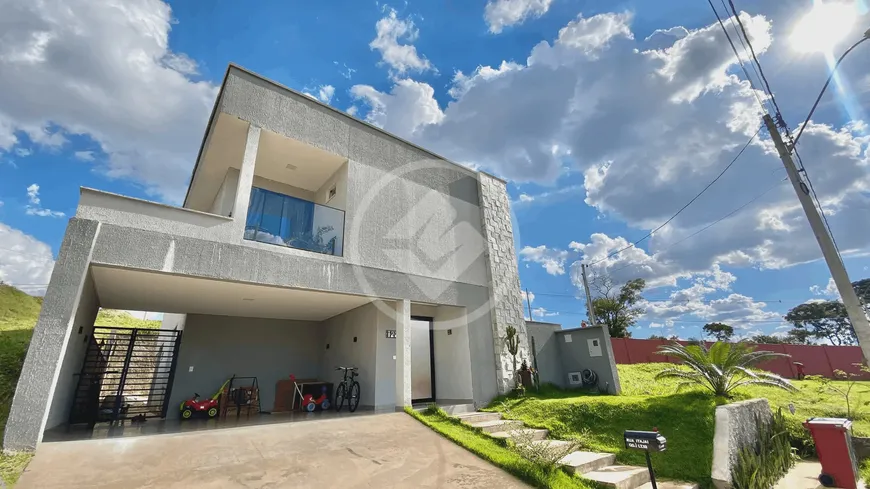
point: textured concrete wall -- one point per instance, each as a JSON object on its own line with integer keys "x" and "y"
{"x": 504, "y": 280}
{"x": 576, "y": 356}
{"x": 452, "y": 354}
{"x": 385, "y": 365}
{"x": 41, "y": 369}
{"x": 218, "y": 347}
{"x": 352, "y": 341}
{"x": 547, "y": 352}
{"x": 736, "y": 427}
{"x": 403, "y": 353}
{"x": 82, "y": 329}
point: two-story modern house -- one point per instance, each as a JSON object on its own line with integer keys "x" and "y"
{"x": 307, "y": 240}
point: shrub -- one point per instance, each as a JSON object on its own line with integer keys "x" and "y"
{"x": 721, "y": 368}
{"x": 762, "y": 465}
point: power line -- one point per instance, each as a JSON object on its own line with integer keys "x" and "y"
{"x": 733, "y": 48}
{"x": 745, "y": 49}
{"x": 825, "y": 87}
{"x": 781, "y": 121}
{"x": 614, "y": 253}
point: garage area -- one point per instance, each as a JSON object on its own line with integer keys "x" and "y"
{"x": 264, "y": 340}
{"x": 390, "y": 450}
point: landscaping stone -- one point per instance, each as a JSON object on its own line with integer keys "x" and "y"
{"x": 861, "y": 446}
{"x": 736, "y": 427}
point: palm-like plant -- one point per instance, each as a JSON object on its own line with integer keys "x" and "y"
{"x": 721, "y": 368}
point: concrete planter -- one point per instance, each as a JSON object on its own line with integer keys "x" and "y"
{"x": 735, "y": 428}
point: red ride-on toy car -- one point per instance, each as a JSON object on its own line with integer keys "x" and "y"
{"x": 209, "y": 406}
{"x": 309, "y": 403}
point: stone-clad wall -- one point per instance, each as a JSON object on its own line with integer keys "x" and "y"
{"x": 506, "y": 301}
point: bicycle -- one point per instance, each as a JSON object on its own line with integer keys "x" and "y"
{"x": 347, "y": 390}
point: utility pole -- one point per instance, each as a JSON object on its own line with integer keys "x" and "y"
{"x": 832, "y": 258}
{"x": 529, "y": 302}
{"x": 588, "y": 295}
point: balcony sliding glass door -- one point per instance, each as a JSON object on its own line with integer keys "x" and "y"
{"x": 288, "y": 221}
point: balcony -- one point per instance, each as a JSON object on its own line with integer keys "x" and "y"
{"x": 296, "y": 223}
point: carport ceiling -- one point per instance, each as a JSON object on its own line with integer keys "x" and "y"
{"x": 159, "y": 292}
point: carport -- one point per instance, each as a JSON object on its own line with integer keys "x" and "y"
{"x": 230, "y": 329}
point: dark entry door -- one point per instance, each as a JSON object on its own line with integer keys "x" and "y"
{"x": 422, "y": 360}
{"x": 126, "y": 373}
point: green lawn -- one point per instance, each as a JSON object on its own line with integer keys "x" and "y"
{"x": 18, "y": 314}
{"x": 686, "y": 418}
{"x": 497, "y": 452}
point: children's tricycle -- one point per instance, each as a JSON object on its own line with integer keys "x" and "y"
{"x": 309, "y": 403}
{"x": 208, "y": 407}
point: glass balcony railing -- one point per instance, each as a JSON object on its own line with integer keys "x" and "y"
{"x": 288, "y": 221}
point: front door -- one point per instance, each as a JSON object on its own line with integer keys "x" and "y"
{"x": 422, "y": 366}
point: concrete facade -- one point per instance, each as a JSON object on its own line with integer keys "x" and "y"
{"x": 736, "y": 427}
{"x": 563, "y": 352}
{"x": 406, "y": 213}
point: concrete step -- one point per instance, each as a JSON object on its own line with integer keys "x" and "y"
{"x": 497, "y": 425}
{"x": 455, "y": 409}
{"x": 619, "y": 476}
{"x": 583, "y": 462}
{"x": 477, "y": 417}
{"x": 535, "y": 433}
{"x": 670, "y": 485}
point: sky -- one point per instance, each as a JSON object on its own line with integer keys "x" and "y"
{"x": 604, "y": 117}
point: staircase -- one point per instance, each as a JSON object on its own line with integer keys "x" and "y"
{"x": 598, "y": 467}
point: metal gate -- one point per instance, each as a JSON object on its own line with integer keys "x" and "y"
{"x": 127, "y": 373}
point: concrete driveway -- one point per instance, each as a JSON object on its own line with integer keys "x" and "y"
{"x": 387, "y": 450}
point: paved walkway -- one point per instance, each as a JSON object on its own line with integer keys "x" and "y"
{"x": 389, "y": 450}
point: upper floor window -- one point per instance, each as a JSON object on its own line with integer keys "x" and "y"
{"x": 289, "y": 221}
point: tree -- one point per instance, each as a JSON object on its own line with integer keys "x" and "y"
{"x": 666, "y": 338}
{"x": 722, "y": 332}
{"x": 821, "y": 320}
{"x": 769, "y": 339}
{"x": 512, "y": 343}
{"x": 617, "y": 307}
{"x": 721, "y": 368}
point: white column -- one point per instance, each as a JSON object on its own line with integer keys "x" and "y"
{"x": 403, "y": 353}
{"x": 246, "y": 178}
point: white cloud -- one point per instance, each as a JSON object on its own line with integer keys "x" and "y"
{"x": 505, "y": 13}
{"x": 84, "y": 155}
{"x": 33, "y": 194}
{"x": 410, "y": 105}
{"x": 594, "y": 34}
{"x": 344, "y": 71}
{"x": 526, "y": 198}
{"x": 23, "y": 152}
{"x": 34, "y": 208}
{"x": 24, "y": 260}
{"x": 550, "y": 196}
{"x": 325, "y": 93}
{"x": 528, "y": 298}
{"x": 552, "y": 260}
{"x": 540, "y": 312}
{"x": 829, "y": 291}
{"x": 401, "y": 58}
{"x": 103, "y": 69}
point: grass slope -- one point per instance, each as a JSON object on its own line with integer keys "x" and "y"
{"x": 497, "y": 452}
{"x": 18, "y": 315}
{"x": 598, "y": 422}
{"x": 686, "y": 418}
